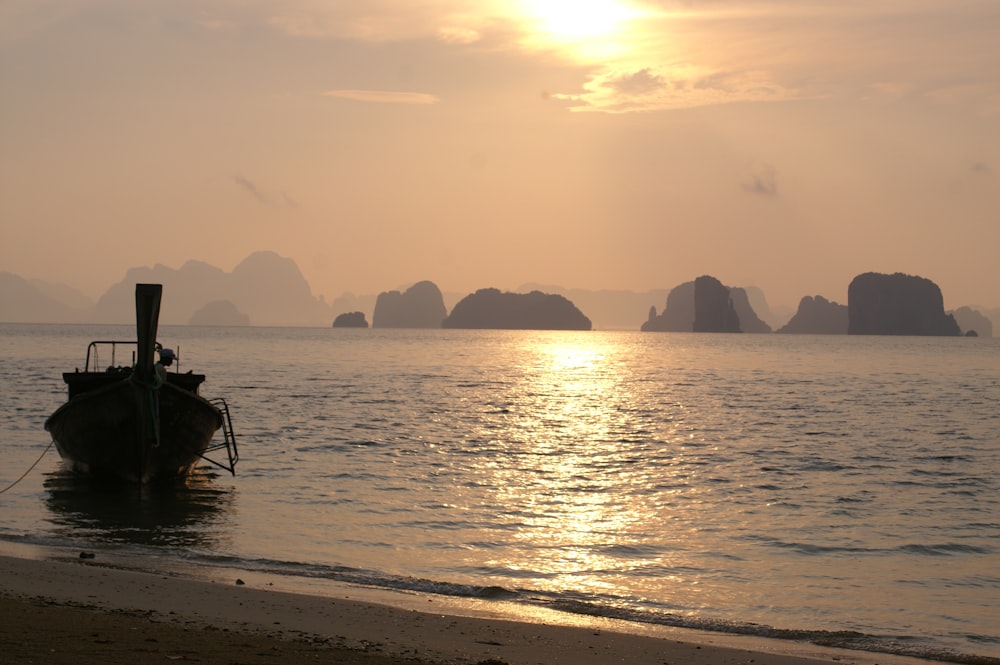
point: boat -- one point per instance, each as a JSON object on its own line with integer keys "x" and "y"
{"x": 140, "y": 422}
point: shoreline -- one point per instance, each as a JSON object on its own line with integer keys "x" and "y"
{"x": 62, "y": 603}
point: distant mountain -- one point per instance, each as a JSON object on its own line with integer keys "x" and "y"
{"x": 993, "y": 314}
{"x": 272, "y": 290}
{"x": 24, "y": 301}
{"x": 266, "y": 287}
{"x": 185, "y": 291}
{"x": 970, "y": 319}
{"x": 219, "y": 313}
{"x": 817, "y": 316}
{"x": 775, "y": 317}
{"x": 348, "y": 302}
{"x": 64, "y": 294}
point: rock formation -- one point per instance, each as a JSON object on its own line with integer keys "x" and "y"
{"x": 219, "y": 313}
{"x": 491, "y": 308}
{"x": 817, "y": 316}
{"x": 420, "y": 306}
{"x": 971, "y": 320}
{"x": 678, "y": 313}
{"x": 748, "y": 321}
{"x": 774, "y": 317}
{"x": 710, "y": 306}
{"x": 713, "y": 307}
{"x": 897, "y": 304}
{"x": 350, "y": 320}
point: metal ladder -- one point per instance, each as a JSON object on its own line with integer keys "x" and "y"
{"x": 228, "y": 439}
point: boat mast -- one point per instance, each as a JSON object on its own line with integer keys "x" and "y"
{"x": 147, "y": 317}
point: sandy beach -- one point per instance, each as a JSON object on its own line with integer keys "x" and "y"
{"x": 63, "y": 610}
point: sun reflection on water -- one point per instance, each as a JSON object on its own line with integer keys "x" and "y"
{"x": 564, "y": 476}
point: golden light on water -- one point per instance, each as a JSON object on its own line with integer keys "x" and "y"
{"x": 563, "y": 429}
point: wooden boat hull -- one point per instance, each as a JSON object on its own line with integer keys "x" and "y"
{"x": 133, "y": 432}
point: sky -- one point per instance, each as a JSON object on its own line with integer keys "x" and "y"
{"x": 594, "y": 144}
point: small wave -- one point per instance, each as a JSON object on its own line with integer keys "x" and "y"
{"x": 616, "y": 608}
{"x": 610, "y": 607}
{"x": 944, "y": 458}
{"x": 632, "y": 550}
{"x": 809, "y": 548}
{"x": 856, "y": 641}
{"x": 824, "y": 466}
{"x": 982, "y": 639}
{"x": 779, "y": 470}
{"x": 496, "y": 592}
{"x": 944, "y": 549}
{"x": 852, "y": 499}
{"x": 360, "y": 577}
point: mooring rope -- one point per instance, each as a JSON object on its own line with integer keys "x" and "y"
{"x": 23, "y": 475}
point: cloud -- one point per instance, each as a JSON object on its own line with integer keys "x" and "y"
{"x": 675, "y": 87}
{"x": 642, "y": 82}
{"x": 383, "y": 21}
{"x": 713, "y": 52}
{"x": 763, "y": 181}
{"x": 384, "y": 96}
{"x": 458, "y": 35}
{"x": 668, "y": 54}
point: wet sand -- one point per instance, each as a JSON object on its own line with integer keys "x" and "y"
{"x": 79, "y": 611}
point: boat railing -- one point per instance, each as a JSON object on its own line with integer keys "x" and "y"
{"x": 228, "y": 439}
{"x": 93, "y": 352}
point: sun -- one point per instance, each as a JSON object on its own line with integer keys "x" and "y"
{"x": 578, "y": 20}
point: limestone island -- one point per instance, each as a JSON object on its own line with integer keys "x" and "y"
{"x": 706, "y": 305}
{"x": 350, "y": 320}
{"x": 897, "y": 304}
{"x": 420, "y": 306}
{"x": 493, "y": 309}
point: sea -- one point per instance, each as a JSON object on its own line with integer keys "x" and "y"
{"x": 833, "y": 490}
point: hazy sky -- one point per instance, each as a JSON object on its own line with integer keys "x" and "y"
{"x": 785, "y": 144}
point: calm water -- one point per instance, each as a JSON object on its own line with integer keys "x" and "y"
{"x": 836, "y": 489}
